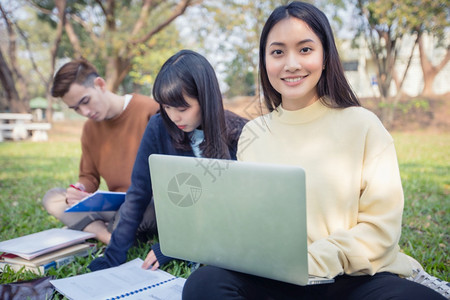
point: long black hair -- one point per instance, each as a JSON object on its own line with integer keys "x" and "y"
{"x": 332, "y": 82}
{"x": 189, "y": 73}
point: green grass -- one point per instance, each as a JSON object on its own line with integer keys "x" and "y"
{"x": 425, "y": 170}
{"x": 28, "y": 170}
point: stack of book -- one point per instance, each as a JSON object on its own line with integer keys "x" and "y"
{"x": 38, "y": 252}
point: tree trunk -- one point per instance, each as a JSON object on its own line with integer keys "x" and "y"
{"x": 429, "y": 71}
{"x": 19, "y": 103}
{"x": 6, "y": 78}
{"x": 399, "y": 84}
{"x": 73, "y": 38}
{"x": 61, "y": 6}
{"x": 116, "y": 71}
{"x": 119, "y": 63}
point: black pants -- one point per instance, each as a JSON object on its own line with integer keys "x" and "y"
{"x": 214, "y": 283}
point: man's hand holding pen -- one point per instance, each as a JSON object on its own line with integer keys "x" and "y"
{"x": 75, "y": 192}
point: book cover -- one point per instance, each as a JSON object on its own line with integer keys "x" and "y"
{"x": 39, "y": 243}
{"x": 99, "y": 201}
{"x": 41, "y": 264}
{"x": 127, "y": 281}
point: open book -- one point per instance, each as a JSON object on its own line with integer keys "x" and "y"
{"x": 128, "y": 281}
{"x": 35, "y": 244}
{"x": 99, "y": 201}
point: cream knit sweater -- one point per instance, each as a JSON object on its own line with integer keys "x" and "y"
{"x": 354, "y": 192}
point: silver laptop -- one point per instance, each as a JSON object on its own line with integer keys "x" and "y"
{"x": 241, "y": 216}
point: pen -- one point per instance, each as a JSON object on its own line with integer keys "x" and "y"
{"x": 75, "y": 187}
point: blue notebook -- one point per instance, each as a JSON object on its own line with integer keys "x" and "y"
{"x": 99, "y": 201}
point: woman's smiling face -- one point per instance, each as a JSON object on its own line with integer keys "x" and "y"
{"x": 294, "y": 62}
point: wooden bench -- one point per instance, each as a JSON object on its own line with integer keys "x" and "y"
{"x": 17, "y": 126}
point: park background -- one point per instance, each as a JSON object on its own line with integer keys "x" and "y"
{"x": 395, "y": 54}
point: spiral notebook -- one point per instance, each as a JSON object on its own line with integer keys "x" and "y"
{"x": 127, "y": 281}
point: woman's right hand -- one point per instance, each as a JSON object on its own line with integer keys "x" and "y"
{"x": 75, "y": 194}
{"x": 150, "y": 261}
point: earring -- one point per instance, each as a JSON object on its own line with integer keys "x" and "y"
{"x": 323, "y": 67}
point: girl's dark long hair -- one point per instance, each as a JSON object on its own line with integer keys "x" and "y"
{"x": 189, "y": 73}
{"x": 332, "y": 83}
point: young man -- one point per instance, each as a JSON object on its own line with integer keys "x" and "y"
{"x": 109, "y": 141}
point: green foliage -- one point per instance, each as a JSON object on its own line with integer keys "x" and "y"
{"x": 117, "y": 40}
{"x": 32, "y": 40}
{"x": 406, "y": 107}
{"x": 145, "y": 67}
{"x": 241, "y": 82}
{"x": 238, "y": 25}
{"x": 410, "y": 16}
{"x": 384, "y": 23}
{"x": 112, "y": 36}
{"x": 30, "y": 169}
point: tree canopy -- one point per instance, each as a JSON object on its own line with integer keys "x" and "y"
{"x": 385, "y": 24}
{"x": 129, "y": 40}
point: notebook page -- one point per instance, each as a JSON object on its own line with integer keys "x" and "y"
{"x": 108, "y": 283}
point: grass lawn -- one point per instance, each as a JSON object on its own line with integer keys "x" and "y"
{"x": 28, "y": 170}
